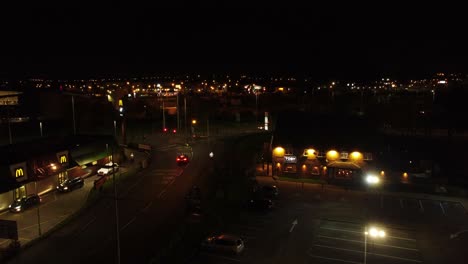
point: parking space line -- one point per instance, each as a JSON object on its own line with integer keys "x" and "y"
{"x": 442, "y": 207}
{"x": 342, "y": 239}
{"x": 393, "y": 257}
{"x": 342, "y": 230}
{"x": 360, "y": 241}
{"x": 343, "y": 249}
{"x": 421, "y": 206}
{"x": 221, "y": 257}
{"x": 334, "y": 259}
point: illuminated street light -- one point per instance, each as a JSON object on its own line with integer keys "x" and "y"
{"x": 194, "y": 121}
{"x": 374, "y": 233}
{"x": 372, "y": 180}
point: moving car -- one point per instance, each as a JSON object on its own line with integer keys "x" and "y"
{"x": 108, "y": 169}
{"x": 182, "y": 159}
{"x": 224, "y": 243}
{"x": 24, "y": 203}
{"x": 70, "y": 184}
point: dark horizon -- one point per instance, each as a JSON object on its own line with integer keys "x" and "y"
{"x": 320, "y": 42}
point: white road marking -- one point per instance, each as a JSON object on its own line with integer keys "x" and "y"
{"x": 334, "y": 259}
{"x": 368, "y": 253}
{"x": 127, "y": 224}
{"x": 377, "y": 244}
{"x": 87, "y": 224}
{"x": 162, "y": 193}
{"x": 147, "y": 206}
{"x": 442, "y": 207}
{"x": 421, "y": 206}
{"x": 294, "y": 223}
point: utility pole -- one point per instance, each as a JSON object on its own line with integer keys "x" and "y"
{"x": 38, "y": 213}
{"x": 117, "y": 233}
{"x": 164, "y": 116}
{"x": 177, "y": 107}
{"x": 185, "y": 116}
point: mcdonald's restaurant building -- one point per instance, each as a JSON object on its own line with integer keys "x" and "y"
{"x": 39, "y": 166}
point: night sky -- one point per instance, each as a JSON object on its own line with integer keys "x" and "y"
{"x": 323, "y": 41}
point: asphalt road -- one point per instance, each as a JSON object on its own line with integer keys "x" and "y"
{"x": 330, "y": 229}
{"x": 149, "y": 205}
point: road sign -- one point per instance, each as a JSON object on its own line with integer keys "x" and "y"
{"x": 8, "y": 229}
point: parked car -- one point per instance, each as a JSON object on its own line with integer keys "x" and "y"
{"x": 25, "y": 203}
{"x": 108, "y": 169}
{"x": 224, "y": 243}
{"x": 70, "y": 184}
{"x": 259, "y": 204}
{"x": 269, "y": 191}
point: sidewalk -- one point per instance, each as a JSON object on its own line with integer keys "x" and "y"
{"x": 55, "y": 208}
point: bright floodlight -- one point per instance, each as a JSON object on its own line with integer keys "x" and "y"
{"x": 375, "y": 232}
{"x": 372, "y": 179}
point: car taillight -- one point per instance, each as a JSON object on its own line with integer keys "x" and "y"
{"x": 165, "y": 129}
{"x": 178, "y": 159}
{"x": 185, "y": 159}
{"x": 174, "y": 131}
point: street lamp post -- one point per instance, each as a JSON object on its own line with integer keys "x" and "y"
{"x": 373, "y": 232}
{"x": 38, "y": 213}
{"x": 40, "y": 127}
{"x": 116, "y": 208}
{"x": 163, "y": 114}
{"x": 115, "y": 129}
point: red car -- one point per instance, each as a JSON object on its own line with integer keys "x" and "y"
{"x": 182, "y": 159}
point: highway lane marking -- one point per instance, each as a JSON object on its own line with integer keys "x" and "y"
{"x": 334, "y": 259}
{"x": 442, "y": 207}
{"x": 87, "y": 224}
{"x": 377, "y": 244}
{"x": 147, "y": 206}
{"x": 218, "y": 256}
{"x": 162, "y": 193}
{"x": 359, "y": 232}
{"x": 368, "y": 253}
{"x": 127, "y": 224}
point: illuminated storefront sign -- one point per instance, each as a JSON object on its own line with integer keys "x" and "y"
{"x": 290, "y": 159}
{"x": 19, "y": 172}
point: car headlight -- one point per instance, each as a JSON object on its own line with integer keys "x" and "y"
{"x": 9, "y": 206}
{"x": 65, "y": 188}
{"x": 17, "y": 208}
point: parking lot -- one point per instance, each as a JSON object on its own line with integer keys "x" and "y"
{"x": 331, "y": 228}
{"x": 408, "y": 210}
{"x": 346, "y": 242}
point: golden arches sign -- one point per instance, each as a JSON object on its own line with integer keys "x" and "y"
{"x": 63, "y": 159}
{"x": 19, "y": 172}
